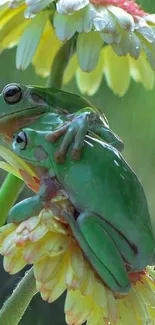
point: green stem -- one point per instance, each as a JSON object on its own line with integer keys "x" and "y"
{"x": 59, "y": 64}
{"x": 16, "y": 305}
{"x": 9, "y": 192}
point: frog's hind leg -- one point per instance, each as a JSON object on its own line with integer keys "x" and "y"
{"x": 100, "y": 250}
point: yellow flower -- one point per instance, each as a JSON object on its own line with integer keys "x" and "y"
{"x": 21, "y": 169}
{"x": 125, "y": 29}
{"x": 59, "y": 265}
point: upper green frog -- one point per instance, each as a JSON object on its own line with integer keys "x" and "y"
{"x": 22, "y": 105}
{"x": 111, "y": 220}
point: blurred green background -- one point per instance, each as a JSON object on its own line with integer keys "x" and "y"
{"x": 133, "y": 118}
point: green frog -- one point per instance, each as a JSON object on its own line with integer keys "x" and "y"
{"x": 111, "y": 220}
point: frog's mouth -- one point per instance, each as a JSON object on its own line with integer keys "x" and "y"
{"x": 15, "y": 121}
{"x": 19, "y": 113}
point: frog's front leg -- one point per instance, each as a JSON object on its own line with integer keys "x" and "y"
{"x": 76, "y": 129}
{"x": 100, "y": 250}
{"x": 33, "y": 205}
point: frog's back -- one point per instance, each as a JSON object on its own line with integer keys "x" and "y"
{"x": 104, "y": 184}
{"x": 63, "y": 100}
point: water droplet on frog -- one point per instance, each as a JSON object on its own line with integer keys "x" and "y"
{"x": 116, "y": 163}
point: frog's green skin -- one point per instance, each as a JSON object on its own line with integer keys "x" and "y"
{"x": 21, "y": 105}
{"x": 113, "y": 227}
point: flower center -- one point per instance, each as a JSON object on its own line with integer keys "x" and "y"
{"x": 129, "y": 6}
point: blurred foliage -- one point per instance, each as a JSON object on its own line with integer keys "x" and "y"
{"x": 133, "y": 118}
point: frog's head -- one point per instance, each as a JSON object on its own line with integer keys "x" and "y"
{"x": 30, "y": 145}
{"x": 19, "y": 106}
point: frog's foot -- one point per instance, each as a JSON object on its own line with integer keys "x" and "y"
{"x": 25, "y": 209}
{"x": 100, "y": 251}
{"x": 74, "y": 130}
{"x": 32, "y": 206}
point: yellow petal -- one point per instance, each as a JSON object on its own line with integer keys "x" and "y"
{"x": 70, "y": 69}
{"x": 50, "y": 44}
{"x": 52, "y": 244}
{"x": 77, "y": 262}
{"x": 11, "y": 22}
{"x": 14, "y": 262}
{"x": 99, "y": 295}
{"x": 29, "y": 225}
{"x": 142, "y": 72}
{"x": 139, "y": 306}
{"x": 96, "y": 317}
{"x": 77, "y": 307}
{"x": 112, "y": 308}
{"x": 16, "y": 162}
{"x": 89, "y": 82}
{"x": 71, "y": 280}
{"x": 146, "y": 291}
{"x": 117, "y": 72}
{"x": 51, "y": 290}
{"x": 126, "y": 312}
{"x": 8, "y": 168}
{"x": 51, "y": 223}
{"x": 58, "y": 289}
{"x": 8, "y": 244}
{"x": 47, "y": 267}
{"x": 4, "y": 232}
{"x": 87, "y": 286}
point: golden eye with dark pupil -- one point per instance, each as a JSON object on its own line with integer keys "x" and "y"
{"x": 21, "y": 139}
{"x": 12, "y": 94}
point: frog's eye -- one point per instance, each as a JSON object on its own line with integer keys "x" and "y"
{"x": 12, "y": 94}
{"x": 21, "y": 140}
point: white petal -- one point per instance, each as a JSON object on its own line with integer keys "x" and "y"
{"x": 30, "y": 40}
{"x": 83, "y": 20}
{"x": 108, "y": 38}
{"x": 129, "y": 43}
{"x": 69, "y": 6}
{"x": 123, "y": 18}
{"x": 64, "y": 26}
{"x": 102, "y": 19}
{"x": 147, "y": 33}
{"x": 150, "y": 52}
{"x": 88, "y": 49}
{"x": 36, "y": 6}
{"x": 150, "y": 18}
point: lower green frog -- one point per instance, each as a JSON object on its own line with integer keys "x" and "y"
{"x": 111, "y": 221}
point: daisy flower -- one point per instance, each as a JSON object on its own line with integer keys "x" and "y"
{"x": 114, "y": 38}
